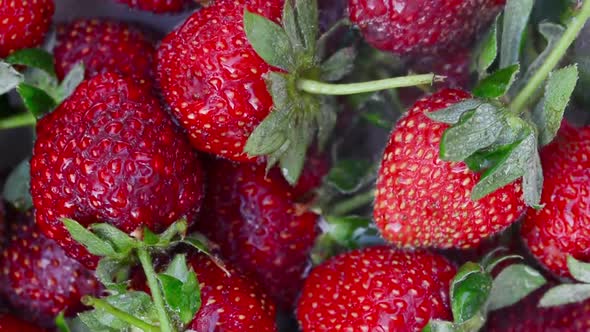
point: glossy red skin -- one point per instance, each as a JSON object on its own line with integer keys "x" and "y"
{"x": 525, "y": 316}
{"x": 15, "y": 34}
{"x": 230, "y": 303}
{"x": 422, "y": 201}
{"x": 258, "y": 226}
{"x": 104, "y": 46}
{"x": 376, "y": 289}
{"x": 157, "y": 6}
{"x": 38, "y": 279}
{"x": 110, "y": 154}
{"x": 419, "y": 27}
{"x": 9, "y": 323}
{"x": 562, "y": 227}
{"x": 212, "y": 78}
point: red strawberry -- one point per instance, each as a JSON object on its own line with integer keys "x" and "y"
{"x": 422, "y": 201}
{"x": 157, "y": 6}
{"x": 110, "y": 154}
{"x": 230, "y": 303}
{"x": 104, "y": 46}
{"x": 454, "y": 66}
{"x": 24, "y": 24}
{"x": 562, "y": 227}
{"x": 525, "y": 316}
{"x": 2, "y": 223}
{"x": 254, "y": 219}
{"x": 376, "y": 289}
{"x": 38, "y": 278}
{"x": 421, "y": 26}
{"x": 9, "y": 323}
{"x": 213, "y": 79}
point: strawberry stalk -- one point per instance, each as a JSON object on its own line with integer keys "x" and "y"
{"x": 17, "y": 121}
{"x": 344, "y": 207}
{"x": 330, "y": 89}
{"x": 122, "y": 315}
{"x": 523, "y": 99}
{"x": 147, "y": 265}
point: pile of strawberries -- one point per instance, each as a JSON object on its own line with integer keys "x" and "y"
{"x": 235, "y": 174}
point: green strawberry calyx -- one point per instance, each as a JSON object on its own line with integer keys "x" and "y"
{"x": 568, "y": 293}
{"x": 304, "y": 106}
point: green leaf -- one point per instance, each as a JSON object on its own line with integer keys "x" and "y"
{"x": 9, "y": 78}
{"x": 113, "y": 274}
{"x": 348, "y": 175}
{"x": 326, "y": 120}
{"x": 270, "y": 134}
{"x": 477, "y": 129}
{"x": 578, "y": 269}
{"x": 138, "y": 304}
{"x": 201, "y": 243}
{"x": 469, "y": 291}
{"x": 16, "y": 189}
{"x": 487, "y": 50}
{"x": 475, "y": 323}
{"x": 177, "y": 229}
{"x": 343, "y": 229}
{"x": 269, "y": 41}
{"x": 121, "y": 242}
{"x": 36, "y": 100}
{"x": 565, "y": 294}
{"x": 338, "y": 65}
{"x": 510, "y": 167}
{"x": 291, "y": 28}
{"x": 513, "y": 284}
{"x": 491, "y": 264}
{"x": 61, "y": 323}
{"x": 532, "y": 181}
{"x": 181, "y": 289}
{"x": 453, "y": 113}
{"x": 93, "y": 243}
{"x": 516, "y": 16}
{"x": 558, "y": 91}
{"x": 308, "y": 22}
{"x": 34, "y": 58}
{"x": 149, "y": 237}
{"x": 293, "y": 160}
{"x": 74, "y": 77}
{"x": 497, "y": 84}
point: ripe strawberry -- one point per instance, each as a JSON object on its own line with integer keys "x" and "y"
{"x": 525, "y": 316}
{"x": 376, "y": 289}
{"x": 9, "y": 323}
{"x": 110, "y": 154}
{"x": 422, "y": 27}
{"x": 38, "y": 279}
{"x": 157, "y": 6}
{"x": 212, "y": 78}
{"x": 230, "y": 303}
{"x": 561, "y": 227}
{"x": 422, "y": 201}
{"x": 104, "y": 46}
{"x": 24, "y": 24}
{"x": 258, "y": 226}
{"x": 454, "y": 66}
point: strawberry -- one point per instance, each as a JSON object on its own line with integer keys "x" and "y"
{"x": 9, "y": 323}
{"x": 376, "y": 289}
{"x": 422, "y": 201}
{"x": 38, "y": 278}
{"x": 157, "y": 6}
{"x": 104, "y": 46}
{"x": 454, "y": 66}
{"x": 213, "y": 79}
{"x": 110, "y": 154}
{"x": 560, "y": 228}
{"x": 229, "y": 302}
{"x": 526, "y": 316}
{"x": 254, "y": 219}
{"x": 24, "y": 24}
{"x": 422, "y": 27}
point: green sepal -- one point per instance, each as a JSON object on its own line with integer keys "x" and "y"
{"x": 94, "y": 244}
{"x": 60, "y": 323}
{"x": 73, "y": 78}
{"x": 33, "y": 58}
{"x": 121, "y": 242}
{"x": 308, "y": 21}
{"x": 469, "y": 291}
{"x": 349, "y": 175}
{"x": 291, "y": 28}
{"x": 548, "y": 115}
{"x": 176, "y": 230}
{"x": 516, "y": 17}
{"x": 578, "y": 269}
{"x": 202, "y": 244}
{"x": 37, "y": 101}
{"x": 181, "y": 289}
{"x": 474, "y": 323}
{"x": 292, "y": 160}
{"x": 269, "y": 40}
{"x": 113, "y": 274}
{"x": 150, "y": 238}
{"x": 16, "y": 189}
{"x": 343, "y": 229}
{"x": 453, "y": 113}
{"x": 486, "y": 51}
{"x": 513, "y": 284}
{"x": 338, "y": 65}
{"x": 498, "y": 83}
{"x": 138, "y": 304}
{"x": 565, "y": 294}
{"x": 10, "y": 78}
{"x": 326, "y": 121}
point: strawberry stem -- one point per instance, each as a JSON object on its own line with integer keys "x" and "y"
{"x": 122, "y": 315}
{"x": 20, "y": 120}
{"x": 353, "y": 203}
{"x": 148, "y": 268}
{"x": 321, "y": 88}
{"x": 523, "y": 99}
